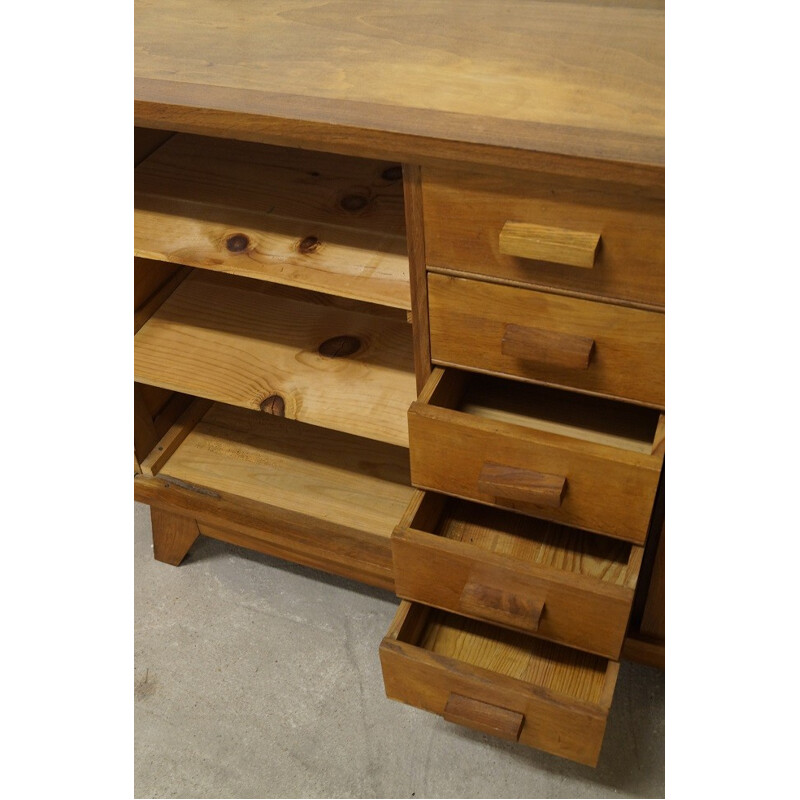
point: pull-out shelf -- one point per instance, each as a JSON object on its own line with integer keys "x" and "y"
{"x": 265, "y": 347}
{"x": 313, "y": 496}
{"x": 318, "y": 221}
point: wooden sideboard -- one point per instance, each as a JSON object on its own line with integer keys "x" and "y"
{"x": 399, "y": 316}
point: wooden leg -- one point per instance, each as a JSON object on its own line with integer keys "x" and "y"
{"x": 173, "y": 535}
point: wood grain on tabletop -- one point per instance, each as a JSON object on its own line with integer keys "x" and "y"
{"x": 469, "y": 321}
{"x": 314, "y": 220}
{"x": 230, "y": 340}
{"x": 580, "y": 79}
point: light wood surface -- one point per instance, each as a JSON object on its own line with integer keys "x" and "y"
{"x": 233, "y": 341}
{"x": 609, "y": 489}
{"x": 561, "y": 670}
{"x": 172, "y": 439}
{"x": 158, "y": 297}
{"x": 546, "y": 243}
{"x": 522, "y": 573}
{"x": 563, "y": 695}
{"x": 470, "y": 320}
{"x": 297, "y": 467}
{"x": 466, "y": 211}
{"x": 155, "y": 411}
{"x": 312, "y": 220}
{"x": 311, "y": 496}
{"x": 578, "y": 79}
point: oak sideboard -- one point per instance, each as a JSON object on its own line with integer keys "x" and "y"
{"x": 399, "y": 316}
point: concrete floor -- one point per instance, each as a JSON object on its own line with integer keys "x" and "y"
{"x": 255, "y": 678}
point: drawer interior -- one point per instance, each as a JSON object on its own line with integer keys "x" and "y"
{"x": 527, "y": 540}
{"x": 328, "y": 361}
{"x": 319, "y": 221}
{"x": 592, "y": 419}
{"x": 561, "y": 670}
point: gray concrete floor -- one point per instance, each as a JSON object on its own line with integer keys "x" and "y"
{"x": 256, "y": 678}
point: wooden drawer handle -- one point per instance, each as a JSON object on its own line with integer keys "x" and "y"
{"x": 483, "y": 717}
{"x": 513, "y": 483}
{"x": 543, "y": 243}
{"x": 547, "y": 347}
{"x": 498, "y": 605}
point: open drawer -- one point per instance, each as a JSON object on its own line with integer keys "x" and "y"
{"x": 587, "y": 462}
{"x": 502, "y": 683}
{"x": 525, "y": 574}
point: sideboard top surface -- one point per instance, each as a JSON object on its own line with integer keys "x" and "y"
{"x": 581, "y": 79}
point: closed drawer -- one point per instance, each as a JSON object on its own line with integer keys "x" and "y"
{"x": 579, "y": 236}
{"x": 524, "y": 574}
{"x": 502, "y": 683}
{"x": 564, "y": 341}
{"x": 584, "y": 461}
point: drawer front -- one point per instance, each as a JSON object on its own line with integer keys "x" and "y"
{"x": 563, "y": 341}
{"x": 593, "y": 238}
{"x": 507, "y": 707}
{"x": 574, "y": 607}
{"x": 577, "y": 482}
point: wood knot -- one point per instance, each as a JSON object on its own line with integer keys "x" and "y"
{"x": 275, "y": 405}
{"x": 309, "y": 245}
{"x": 340, "y": 346}
{"x": 353, "y": 202}
{"x": 394, "y": 173}
{"x": 237, "y": 243}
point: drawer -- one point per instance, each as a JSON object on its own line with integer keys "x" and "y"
{"x": 525, "y": 574}
{"x": 499, "y": 682}
{"x": 578, "y": 236}
{"x": 584, "y": 461}
{"x": 535, "y": 336}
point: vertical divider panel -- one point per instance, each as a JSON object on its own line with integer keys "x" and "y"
{"x": 415, "y": 232}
